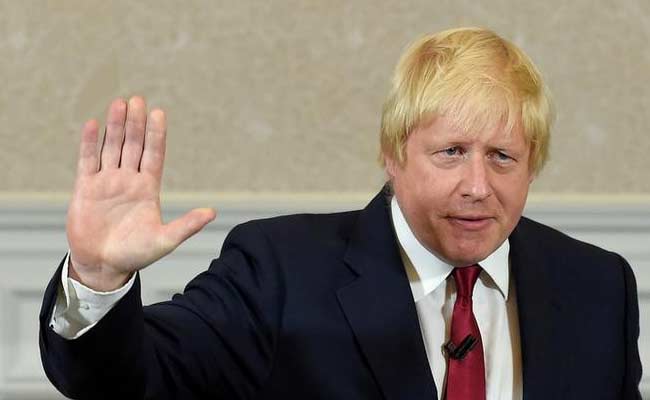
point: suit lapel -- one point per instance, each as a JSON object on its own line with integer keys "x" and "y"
{"x": 543, "y": 349}
{"x": 379, "y": 307}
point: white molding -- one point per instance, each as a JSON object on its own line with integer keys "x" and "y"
{"x": 32, "y": 242}
{"x": 254, "y": 198}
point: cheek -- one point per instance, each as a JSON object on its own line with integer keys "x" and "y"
{"x": 512, "y": 195}
{"x": 433, "y": 199}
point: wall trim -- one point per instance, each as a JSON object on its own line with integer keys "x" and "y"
{"x": 254, "y": 198}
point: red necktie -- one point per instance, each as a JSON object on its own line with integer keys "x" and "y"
{"x": 465, "y": 368}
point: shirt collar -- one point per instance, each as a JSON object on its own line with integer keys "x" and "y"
{"x": 429, "y": 271}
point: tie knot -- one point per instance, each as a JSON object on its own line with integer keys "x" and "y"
{"x": 465, "y": 278}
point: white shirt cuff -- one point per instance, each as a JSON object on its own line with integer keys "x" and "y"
{"x": 78, "y": 308}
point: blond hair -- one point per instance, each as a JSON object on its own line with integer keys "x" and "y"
{"x": 475, "y": 78}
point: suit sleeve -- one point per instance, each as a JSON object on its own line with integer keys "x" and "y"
{"x": 216, "y": 340}
{"x": 633, "y": 369}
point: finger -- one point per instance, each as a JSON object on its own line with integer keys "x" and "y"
{"x": 179, "y": 230}
{"x": 87, "y": 163}
{"x": 113, "y": 137}
{"x": 153, "y": 155}
{"x": 136, "y": 119}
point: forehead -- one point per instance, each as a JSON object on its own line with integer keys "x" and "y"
{"x": 444, "y": 128}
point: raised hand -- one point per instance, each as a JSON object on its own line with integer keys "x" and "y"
{"x": 114, "y": 225}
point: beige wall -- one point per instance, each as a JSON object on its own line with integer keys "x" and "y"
{"x": 285, "y": 96}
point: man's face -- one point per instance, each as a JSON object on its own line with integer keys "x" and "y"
{"x": 462, "y": 194}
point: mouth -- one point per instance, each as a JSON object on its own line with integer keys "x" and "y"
{"x": 471, "y": 222}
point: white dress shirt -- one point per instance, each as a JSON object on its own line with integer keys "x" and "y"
{"x": 78, "y": 308}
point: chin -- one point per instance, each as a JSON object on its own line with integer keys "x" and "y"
{"x": 466, "y": 256}
{"x": 465, "y": 263}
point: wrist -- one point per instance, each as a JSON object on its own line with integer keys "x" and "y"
{"x": 97, "y": 279}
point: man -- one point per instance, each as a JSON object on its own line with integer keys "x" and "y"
{"x": 437, "y": 289}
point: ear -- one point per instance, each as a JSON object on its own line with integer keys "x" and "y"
{"x": 531, "y": 177}
{"x": 390, "y": 165}
{"x": 532, "y": 173}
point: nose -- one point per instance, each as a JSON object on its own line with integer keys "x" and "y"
{"x": 475, "y": 184}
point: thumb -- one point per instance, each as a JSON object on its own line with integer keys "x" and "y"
{"x": 180, "y": 229}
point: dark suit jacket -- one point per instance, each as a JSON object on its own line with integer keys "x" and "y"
{"x": 319, "y": 307}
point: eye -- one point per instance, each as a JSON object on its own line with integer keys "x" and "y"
{"x": 453, "y": 151}
{"x": 502, "y": 157}
{"x": 448, "y": 157}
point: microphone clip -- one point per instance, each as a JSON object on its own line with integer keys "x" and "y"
{"x": 459, "y": 352}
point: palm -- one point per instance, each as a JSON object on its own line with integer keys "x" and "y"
{"x": 114, "y": 222}
{"x": 121, "y": 217}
